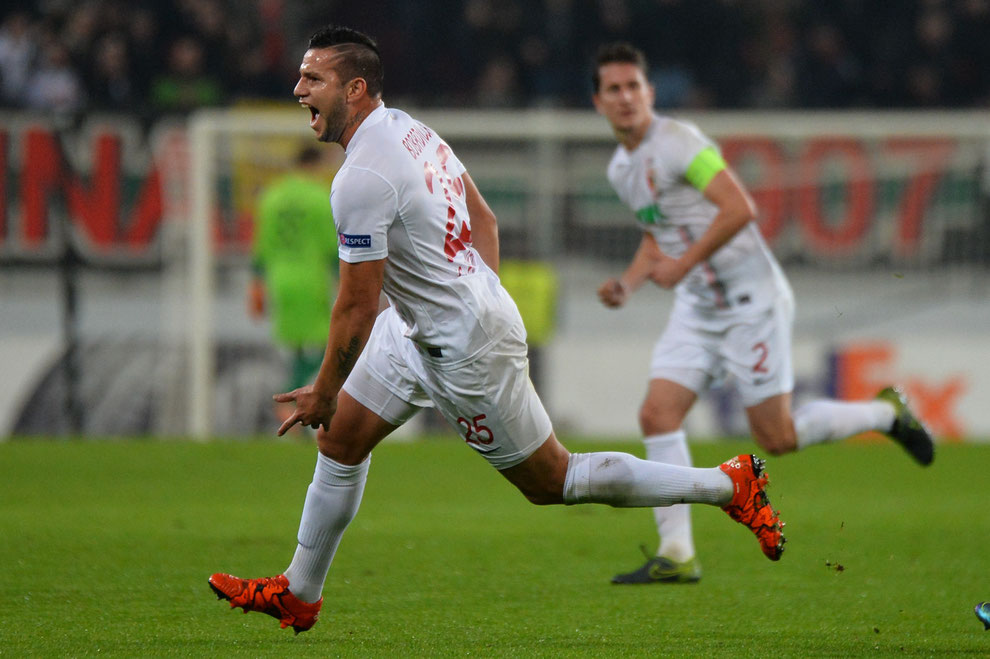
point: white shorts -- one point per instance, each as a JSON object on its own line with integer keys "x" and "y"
{"x": 490, "y": 400}
{"x": 754, "y": 350}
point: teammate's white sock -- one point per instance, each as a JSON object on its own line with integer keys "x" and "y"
{"x": 673, "y": 522}
{"x": 625, "y": 481}
{"x": 332, "y": 500}
{"x": 828, "y": 420}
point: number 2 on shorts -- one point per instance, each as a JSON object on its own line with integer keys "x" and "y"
{"x": 764, "y": 352}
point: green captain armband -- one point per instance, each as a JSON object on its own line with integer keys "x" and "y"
{"x": 704, "y": 167}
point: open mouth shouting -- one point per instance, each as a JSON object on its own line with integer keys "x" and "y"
{"x": 314, "y": 115}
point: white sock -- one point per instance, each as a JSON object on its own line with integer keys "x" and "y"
{"x": 332, "y": 500}
{"x": 673, "y": 522}
{"x": 828, "y": 420}
{"x": 624, "y": 481}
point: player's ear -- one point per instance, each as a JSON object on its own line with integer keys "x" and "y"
{"x": 597, "y": 102}
{"x": 356, "y": 88}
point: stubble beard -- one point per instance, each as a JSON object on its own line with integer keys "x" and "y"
{"x": 339, "y": 118}
{"x": 336, "y": 123}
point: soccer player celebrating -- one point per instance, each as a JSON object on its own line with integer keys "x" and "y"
{"x": 412, "y": 223}
{"x": 733, "y": 310}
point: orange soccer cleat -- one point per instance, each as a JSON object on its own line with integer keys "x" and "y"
{"x": 269, "y": 595}
{"x": 750, "y": 505}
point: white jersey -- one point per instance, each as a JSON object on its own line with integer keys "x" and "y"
{"x": 399, "y": 196}
{"x": 741, "y": 277}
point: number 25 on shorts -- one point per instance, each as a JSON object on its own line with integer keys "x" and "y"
{"x": 474, "y": 432}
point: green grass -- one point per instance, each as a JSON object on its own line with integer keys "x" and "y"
{"x": 105, "y": 549}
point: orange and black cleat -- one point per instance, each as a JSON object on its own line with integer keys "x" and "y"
{"x": 269, "y": 595}
{"x": 750, "y": 505}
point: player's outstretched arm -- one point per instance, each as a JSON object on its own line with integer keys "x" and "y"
{"x": 484, "y": 226}
{"x": 353, "y": 316}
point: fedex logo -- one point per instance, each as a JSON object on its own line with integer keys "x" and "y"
{"x": 348, "y": 240}
{"x": 859, "y": 370}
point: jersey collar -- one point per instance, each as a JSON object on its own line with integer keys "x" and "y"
{"x": 646, "y": 136}
{"x": 373, "y": 118}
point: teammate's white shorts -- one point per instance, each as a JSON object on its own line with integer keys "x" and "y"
{"x": 490, "y": 400}
{"x": 754, "y": 350}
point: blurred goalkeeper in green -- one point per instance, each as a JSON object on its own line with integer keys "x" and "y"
{"x": 295, "y": 266}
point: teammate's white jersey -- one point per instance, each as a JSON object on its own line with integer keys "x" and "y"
{"x": 399, "y": 195}
{"x": 739, "y": 278}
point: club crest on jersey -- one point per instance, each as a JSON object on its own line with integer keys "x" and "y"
{"x": 350, "y": 240}
{"x": 650, "y": 215}
{"x": 651, "y": 177}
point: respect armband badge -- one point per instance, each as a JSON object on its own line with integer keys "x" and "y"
{"x": 352, "y": 240}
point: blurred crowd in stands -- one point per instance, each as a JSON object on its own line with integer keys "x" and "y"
{"x": 155, "y": 57}
{"x": 152, "y": 58}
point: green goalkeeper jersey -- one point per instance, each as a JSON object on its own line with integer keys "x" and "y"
{"x": 295, "y": 247}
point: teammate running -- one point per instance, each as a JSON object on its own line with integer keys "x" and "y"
{"x": 733, "y": 311}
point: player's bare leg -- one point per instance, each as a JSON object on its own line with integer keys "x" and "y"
{"x": 771, "y": 424}
{"x": 821, "y": 421}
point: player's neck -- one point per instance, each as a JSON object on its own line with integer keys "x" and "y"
{"x": 632, "y": 138}
{"x": 356, "y": 120}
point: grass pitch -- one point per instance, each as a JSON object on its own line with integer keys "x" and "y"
{"x": 106, "y": 548}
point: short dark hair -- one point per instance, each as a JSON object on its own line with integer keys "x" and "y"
{"x": 361, "y": 57}
{"x": 621, "y": 52}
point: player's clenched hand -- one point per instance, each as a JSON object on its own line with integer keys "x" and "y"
{"x": 312, "y": 409}
{"x": 667, "y": 272}
{"x": 613, "y": 293}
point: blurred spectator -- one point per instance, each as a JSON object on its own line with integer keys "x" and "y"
{"x": 973, "y": 65}
{"x": 931, "y": 73}
{"x": 82, "y": 25}
{"x": 18, "y": 50}
{"x": 828, "y": 74}
{"x": 498, "y": 84}
{"x": 251, "y": 71}
{"x": 185, "y": 85}
{"x": 111, "y": 85}
{"x": 773, "y": 63}
{"x": 209, "y": 24}
{"x": 55, "y": 87}
{"x": 513, "y": 53}
{"x": 615, "y": 19}
{"x": 552, "y": 46}
{"x": 487, "y": 55}
{"x": 143, "y": 44}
